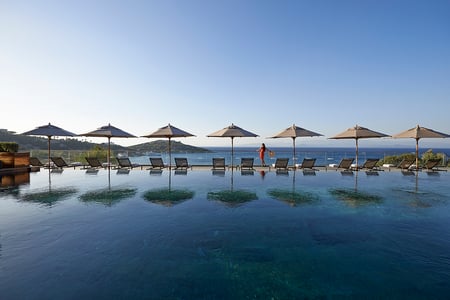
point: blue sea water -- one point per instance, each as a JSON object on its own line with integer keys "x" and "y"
{"x": 324, "y": 156}
{"x": 79, "y": 234}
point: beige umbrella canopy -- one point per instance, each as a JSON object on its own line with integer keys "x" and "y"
{"x": 109, "y": 131}
{"x": 49, "y": 131}
{"x": 357, "y": 133}
{"x": 232, "y": 131}
{"x": 295, "y": 132}
{"x": 169, "y": 132}
{"x": 418, "y": 133}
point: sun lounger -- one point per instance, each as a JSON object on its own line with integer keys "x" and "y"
{"x": 281, "y": 164}
{"x": 156, "y": 163}
{"x": 124, "y": 162}
{"x": 218, "y": 163}
{"x": 308, "y": 163}
{"x": 405, "y": 164}
{"x": 247, "y": 163}
{"x": 93, "y": 162}
{"x": 35, "y": 162}
{"x": 346, "y": 164}
{"x": 181, "y": 163}
{"x": 371, "y": 164}
{"x": 432, "y": 165}
{"x": 60, "y": 163}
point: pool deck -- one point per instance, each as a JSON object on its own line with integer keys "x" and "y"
{"x": 258, "y": 168}
{"x": 290, "y": 168}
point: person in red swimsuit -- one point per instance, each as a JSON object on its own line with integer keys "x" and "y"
{"x": 262, "y": 153}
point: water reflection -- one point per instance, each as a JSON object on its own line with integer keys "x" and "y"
{"x": 108, "y": 196}
{"x": 419, "y": 195}
{"x": 291, "y": 196}
{"x": 168, "y": 196}
{"x": 14, "y": 180}
{"x": 232, "y": 197}
{"x": 48, "y": 196}
{"x": 353, "y": 196}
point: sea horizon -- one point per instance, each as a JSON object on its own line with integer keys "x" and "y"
{"x": 323, "y": 155}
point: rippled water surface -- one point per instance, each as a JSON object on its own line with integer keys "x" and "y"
{"x": 199, "y": 235}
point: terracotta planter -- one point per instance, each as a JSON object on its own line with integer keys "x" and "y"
{"x": 14, "y": 160}
{"x": 7, "y": 160}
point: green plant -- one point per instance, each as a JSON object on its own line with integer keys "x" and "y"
{"x": 396, "y": 159}
{"x": 11, "y": 147}
{"x": 430, "y": 155}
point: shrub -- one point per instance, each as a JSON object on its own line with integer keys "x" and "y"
{"x": 396, "y": 159}
{"x": 9, "y": 147}
{"x": 430, "y": 155}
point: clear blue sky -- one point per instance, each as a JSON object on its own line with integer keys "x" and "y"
{"x": 201, "y": 65}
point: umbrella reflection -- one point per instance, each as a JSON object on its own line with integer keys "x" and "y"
{"x": 108, "y": 196}
{"x": 168, "y": 196}
{"x": 291, "y": 196}
{"x": 354, "y": 197}
{"x": 420, "y": 197}
{"x": 231, "y": 197}
{"x": 49, "y": 196}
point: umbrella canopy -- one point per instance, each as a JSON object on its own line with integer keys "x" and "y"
{"x": 49, "y": 131}
{"x": 418, "y": 133}
{"x": 108, "y": 131}
{"x": 169, "y": 132}
{"x": 295, "y": 132}
{"x": 232, "y": 131}
{"x": 357, "y": 133}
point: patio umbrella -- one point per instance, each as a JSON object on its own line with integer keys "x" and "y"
{"x": 169, "y": 132}
{"x": 49, "y": 131}
{"x": 418, "y": 133}
{"x": 108, "y": 131}
{"x": 232, "y": 131}
{"x": 357, "y": 133}
{"x": 295, "y": 132}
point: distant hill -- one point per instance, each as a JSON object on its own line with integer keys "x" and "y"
{"x": 27, "y": 143}
{"x": 159, "y": 146}
{"x": 38, "y": 143}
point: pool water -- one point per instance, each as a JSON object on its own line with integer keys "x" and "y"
{"x": 199, "y": 235}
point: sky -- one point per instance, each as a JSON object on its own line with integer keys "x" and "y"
{"x": 201, "y": 65}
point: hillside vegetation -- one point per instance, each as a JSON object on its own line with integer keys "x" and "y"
{"x": 31, "y": 143}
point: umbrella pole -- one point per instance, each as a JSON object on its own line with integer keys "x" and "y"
{"x": 417, "y": 154}
{"x": 109, "y": 152}
{"x": 232, "y": 152}
{"x": 48, "y": 149}
{"x": 357, "y": 166}
{"x": 170, "y": 156}
{"x": 293, "y": 157}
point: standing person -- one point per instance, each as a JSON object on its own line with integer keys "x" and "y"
{"x": 262, "y": 153}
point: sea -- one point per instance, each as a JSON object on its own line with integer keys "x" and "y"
{"x": 323, "y": 155}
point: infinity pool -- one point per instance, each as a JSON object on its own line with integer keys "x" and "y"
{"x": 199, "y": 235}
